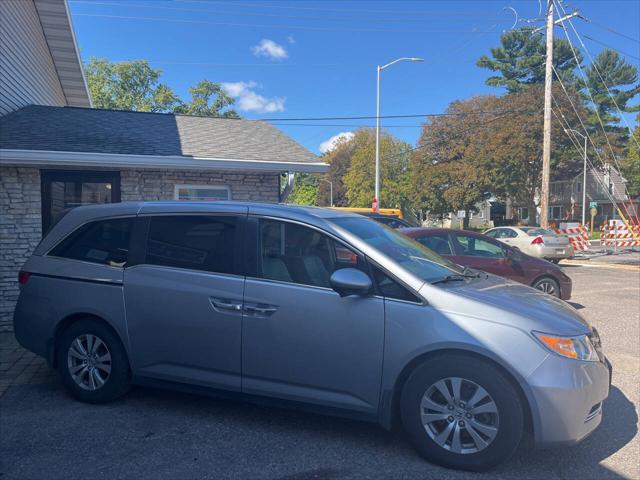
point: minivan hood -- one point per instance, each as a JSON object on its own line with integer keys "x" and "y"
{"x": 497, "y": 299}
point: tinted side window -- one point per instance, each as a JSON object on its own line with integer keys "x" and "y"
{"x": 389, "y": 288}
{"x": 105, "y": 242}
{"x": 437, "y": 243}
{"x": 510, "y": 233}
{"x": 289, "y": 252}
{"x": 477, "y": 247}
{"x": 193, "y": 241}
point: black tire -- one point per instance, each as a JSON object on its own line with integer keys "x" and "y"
{"x": 117, "y": 380}
{"x": 550, "y": 282}
{"x": 482, "y": 373}
{"x": 555, "y": 260}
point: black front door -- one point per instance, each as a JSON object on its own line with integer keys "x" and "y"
{"x": 63, "y": 189}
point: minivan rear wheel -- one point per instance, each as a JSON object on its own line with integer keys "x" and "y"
{"x": 92, "y": 362}
{"x": 462, "y": 412}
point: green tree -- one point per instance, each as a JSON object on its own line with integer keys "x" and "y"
{"x": 128, "y": 86}
{"x": 136, "y": 86}
{"x": 472, "y": 155}
{"x": 305, "y": 190}
{"x": 621, "y": 82}
{"x": 631, "y": 164}
{"x": 208, "y": 99}
{"x": 520, "y": 60}
{"x": 359, "y": 181}
{"x": 612, "y": 83}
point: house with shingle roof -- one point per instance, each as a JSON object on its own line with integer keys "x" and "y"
{"x": 56, "y": 152}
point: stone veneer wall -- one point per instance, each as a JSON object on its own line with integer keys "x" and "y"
{"x": 20, "y": 231}
{"x": 20, "y": 207}
{"x": 159, "y": 184}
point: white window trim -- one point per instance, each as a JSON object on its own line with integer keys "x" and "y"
{"x": 177, "y": 187}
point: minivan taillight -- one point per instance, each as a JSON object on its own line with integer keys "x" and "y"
{"x": 537, "y": 241}
{"x": 23, "y": 277}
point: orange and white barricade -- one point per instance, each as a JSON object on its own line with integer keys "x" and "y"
{"x": 619, "y": 235}
{"x": 578, "y": 235}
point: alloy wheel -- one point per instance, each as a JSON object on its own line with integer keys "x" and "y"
{"x": 89, "y": 362}
{"x": 459, "y": 415}
{"x": 547, "y": 287}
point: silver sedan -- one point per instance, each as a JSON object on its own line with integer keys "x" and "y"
{"x": 535, "y": 241}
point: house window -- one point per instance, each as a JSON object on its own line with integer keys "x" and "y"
{"x": 555, "y": 213}
{"x": 524, "y": 213}
{"x": 64, "y": 189}
{"x": 202, "y": 193}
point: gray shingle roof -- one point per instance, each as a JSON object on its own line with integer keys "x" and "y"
{"x": 136, "y": 133}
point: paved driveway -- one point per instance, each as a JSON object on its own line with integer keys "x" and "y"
{"x": 152, "y": 434}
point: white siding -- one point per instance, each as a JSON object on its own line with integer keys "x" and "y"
{"x": 27, "y": 72}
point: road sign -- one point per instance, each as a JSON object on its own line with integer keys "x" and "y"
{"x": 593, "y": 204}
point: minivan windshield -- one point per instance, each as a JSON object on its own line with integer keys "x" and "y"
{"x": 413, "y": 256}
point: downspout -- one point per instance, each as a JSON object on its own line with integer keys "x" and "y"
{"x": 288, "y": 187}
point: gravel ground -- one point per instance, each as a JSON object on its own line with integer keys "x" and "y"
{"x": 152, "y": 433}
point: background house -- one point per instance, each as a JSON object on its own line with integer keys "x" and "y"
{"x": 565, "y": 196}
{"x": 56, "y": 152}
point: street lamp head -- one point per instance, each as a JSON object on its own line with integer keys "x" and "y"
{"x": 417, "y": 59}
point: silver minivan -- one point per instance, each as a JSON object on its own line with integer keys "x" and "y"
{"x": 313, "y": 308}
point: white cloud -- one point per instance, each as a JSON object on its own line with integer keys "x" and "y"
{"x": 249, "y": 101}
{"x": 269, "y": 49}
{"x": 333, "y": 142}
{"x": 291, "y": 39}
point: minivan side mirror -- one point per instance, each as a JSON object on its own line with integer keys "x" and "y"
{"x": 350, "y": 281}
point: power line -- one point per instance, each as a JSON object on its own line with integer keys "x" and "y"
{"x": 317, "y": 9}
{"x": 570, "y": 133}
{"x": 585, "y": 80}
{"x": 609, "y": 46}
{"x": 249, "y": 14}
{"x": 344, "y": 125}
{"x": 253, "y": 25}
{"x": 460, "y": 133}
{"x": 372, "y": 117}
{"x": 595, "y": 67}
{"x": 609, "y": 29}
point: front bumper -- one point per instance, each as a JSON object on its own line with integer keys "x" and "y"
{"x": 568, "y": 397}
{"x": 566, "y": 287}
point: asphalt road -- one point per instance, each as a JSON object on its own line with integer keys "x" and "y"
{"x": 153, "y": 434}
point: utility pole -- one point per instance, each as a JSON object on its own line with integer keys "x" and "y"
{"x": 546, "y": 144}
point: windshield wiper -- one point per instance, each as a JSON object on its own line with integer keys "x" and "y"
{"x": 449, "y": 278}
{"x": 467, "y": 272}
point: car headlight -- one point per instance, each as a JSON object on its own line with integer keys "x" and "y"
{"x": 578, "y": 348}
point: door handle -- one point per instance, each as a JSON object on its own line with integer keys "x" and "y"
{"x": 226, "y": 304}
{"x": 260, "y": 310}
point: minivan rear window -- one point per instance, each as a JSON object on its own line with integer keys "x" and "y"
{"x": 105, "y": 242}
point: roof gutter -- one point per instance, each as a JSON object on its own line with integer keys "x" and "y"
{"x": 105, "y": 161}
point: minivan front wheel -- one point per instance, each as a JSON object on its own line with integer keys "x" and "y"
{"x": 462, "y": 412}
{"x": 92, "y": 362}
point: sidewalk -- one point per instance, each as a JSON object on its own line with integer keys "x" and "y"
{"x": 19, "y": 366}
{"x": 601, "y": 256}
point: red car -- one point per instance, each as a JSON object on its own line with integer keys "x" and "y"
{"x": 474, "y": 250}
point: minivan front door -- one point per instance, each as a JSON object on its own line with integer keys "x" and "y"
{"x": 301, "y": 340}
{"x": 184, "y": 298}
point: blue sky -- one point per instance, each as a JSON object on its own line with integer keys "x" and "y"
{"x": 298, "y": 59}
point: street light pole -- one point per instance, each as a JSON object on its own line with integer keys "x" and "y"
{"x": 330, "y": 191}
{"x": 584, "y": 174}
{"x": 376, "y": 196}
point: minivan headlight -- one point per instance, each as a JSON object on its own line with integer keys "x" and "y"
{"x": 578, "y": 348}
